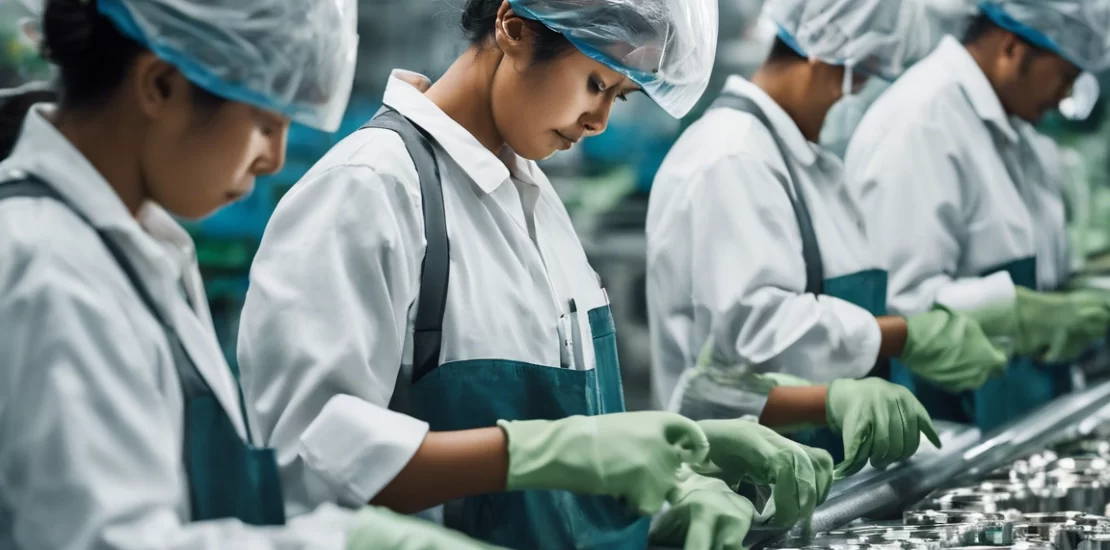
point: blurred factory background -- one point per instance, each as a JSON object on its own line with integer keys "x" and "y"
{"x": 604, "y": 182}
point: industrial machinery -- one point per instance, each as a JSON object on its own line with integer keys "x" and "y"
{"x": 1042, "y": 481}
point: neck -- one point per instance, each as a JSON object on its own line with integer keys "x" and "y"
{"x": 465, "y": 92}
{"x": 983, "y": 53}
{"x": 108, "y": 152}
{"x": 789, "y": 85}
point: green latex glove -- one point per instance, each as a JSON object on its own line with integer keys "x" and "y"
{"x": 630, "y": 456}
{"x": 951, "y": 350}
{"x": 1054, "y": 327}
{"x": 878, "y": 420}
{"x": 705, "y": 514}
{"x": 800, "y": 475}
{"x": 381, "y": 529}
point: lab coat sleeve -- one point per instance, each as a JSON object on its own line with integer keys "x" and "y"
{"x": 89, "y": 454}
{"x": 916, "y": 203}
{"x": 749, "y": 276}
{"x": 323, "y": 332}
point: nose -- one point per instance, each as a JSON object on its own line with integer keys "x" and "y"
{"x": 272, "y": 159}
{"x": 596, "y": 120}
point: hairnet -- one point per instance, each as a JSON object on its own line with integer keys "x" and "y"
{"x": 876, "y": 36}
{"x": 665, "y": 46}
{"x": 1073, "y": 29}
{"x": 295, "y": 57}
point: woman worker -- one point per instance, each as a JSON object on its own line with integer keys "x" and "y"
{"x": 422, "y": 325}
{"x": 756, "y": 246}
{"x": 120, "y": 421}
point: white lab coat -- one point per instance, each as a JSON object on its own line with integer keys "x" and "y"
{"x": 929, "y": 165}
{"x": 91, "y": 411}
{"x": 725, "y": 253}
{"x": 326, "y": 331}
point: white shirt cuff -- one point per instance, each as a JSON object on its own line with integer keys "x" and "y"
{"x": 859, "y": 352}
{"x": 357, "y": 447}
{"x": 978, "y": 293}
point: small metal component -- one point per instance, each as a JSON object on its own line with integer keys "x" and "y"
{"x": 1064, "y": 536}
{"x": 1077, "y": 518}
{"x": 937, "y": 517}
{"x": 1095, "y": 541}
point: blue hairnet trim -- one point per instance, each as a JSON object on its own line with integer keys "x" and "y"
{"x": 197, "y": 74}
{"x": 999, "y": 16}
{"x": 643, "y": 78}
{"x": 790, "y": 41}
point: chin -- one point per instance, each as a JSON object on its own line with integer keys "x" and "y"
{"x": 538, "y": 154}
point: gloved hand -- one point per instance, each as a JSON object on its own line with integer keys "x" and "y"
{"x": 801, "y": 476}
{"x": 1053, "y": 327}
{"x": 631, "y": 456}
{"x": 381, "y": 529}
{"x": 705, "y": 514}
{"x": 950, "y": 349}
{"x": 878, "y": 420}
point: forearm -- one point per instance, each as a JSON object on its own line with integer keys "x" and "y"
{"x": 448, "y": 466}
{"x": 893, "y": 330}
{"x": 793, "y": 405}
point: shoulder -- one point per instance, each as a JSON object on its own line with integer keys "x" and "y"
{"x": 723, "y": 148}
{"x": 917, "y": 103}
{"x": 723, "y": 133}
{"x": 366, "y": 180}
{"x": 45, "y": 234}
{"x": 59, "y": 280}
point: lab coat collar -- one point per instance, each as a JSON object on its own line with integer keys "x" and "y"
{"x": 958, "y": 62}
{"x": 43, "y": 151}
{"x": 486, "y": 169}
{"x": 800, "y": 147}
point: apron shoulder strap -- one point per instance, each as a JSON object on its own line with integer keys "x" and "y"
{"x": 192, "y": 382}
{"x": 427, "y": 339}
{"x": 811, "y": 251}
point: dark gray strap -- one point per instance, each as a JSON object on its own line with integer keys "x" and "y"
{"x": 427, "y": 338}
{"x": 811, "y": 251}
{"x": 192, "y": 382}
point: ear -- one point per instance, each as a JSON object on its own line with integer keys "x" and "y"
{"x": 511, "y": 32}
{"x": 1012, "y": 48}
{"x": 158, "y": 86}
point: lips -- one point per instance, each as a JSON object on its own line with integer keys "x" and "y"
{"x": 571, "y": 140}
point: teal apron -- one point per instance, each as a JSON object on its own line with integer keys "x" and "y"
{"x": 464, "y": 395}
{"x": 866, "y": 289}
{"x": 1025, "y": 386}
{"x": 228, "y": 478}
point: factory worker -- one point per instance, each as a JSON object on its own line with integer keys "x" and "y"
{"x": 422, "y": 325}
{"x": 120, "y": 421}
{"x": 756, "y": 247}
{"x": 962, "y": 197}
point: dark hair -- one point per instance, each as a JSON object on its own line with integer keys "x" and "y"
{"x": 781, "y": 52}
{"x": 13, "y": 110}
{"x": 982, "y": 25}
{"x": 92, "y": 54}
{"x": 480, "y": 16}
{"x": 93, "y": 57}
{"x": 979, "y": 26}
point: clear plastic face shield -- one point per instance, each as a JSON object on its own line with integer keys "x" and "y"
{"x": 667, "y": 47}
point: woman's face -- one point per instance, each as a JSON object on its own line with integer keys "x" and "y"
{"x": 200, "y": 157}
{"x": 543, "y": 107}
